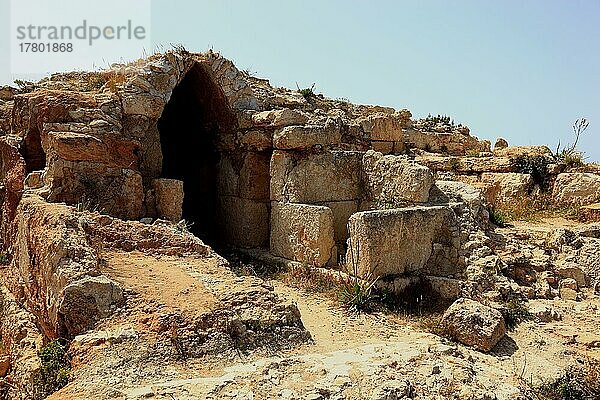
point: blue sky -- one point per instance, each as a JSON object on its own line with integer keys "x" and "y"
{"x": 523, "y": 70}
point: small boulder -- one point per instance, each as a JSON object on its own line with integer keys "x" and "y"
{"x": 474, "y": 324}
{"x": 501, "y": 143}
{"x": 544, "y": 313}
{"x": 566, "y": 293}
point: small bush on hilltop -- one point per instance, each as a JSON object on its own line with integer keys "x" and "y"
{"x": 430, "y": 122}
{"x": 570, "y": 156}
{"x": 536, "y": 166}
{"x": 307, "y": 93}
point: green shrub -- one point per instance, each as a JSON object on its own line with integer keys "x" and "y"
{"x": 357, "y": 294}
{"x": 430, "y": 122}
{"x": 498, "y": 217}
{"x": 578, "y": 382}
{"x": 515, "y": 312}
{"x": 454, "y": 163}
{"x": 570, "y": 156}
{"x": 25, "y": 86}
{"x": 55, "y": 370}
{"x": 536, "y": 166}
{"x": 574, "y": 160}
{"x": 3, "y": 259}
{"x": 307, "y": 93}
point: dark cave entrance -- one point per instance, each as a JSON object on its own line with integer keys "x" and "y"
{"x": 32, "y": 152}
{"x": 189, "y": 127}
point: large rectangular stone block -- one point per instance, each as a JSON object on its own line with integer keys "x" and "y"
{"x": 304, "y": 137}
{"x": 405, "y": 240}
{"x": 244, "y": 175}
{"x": 395, "y": 179}
{"x": 302, "y": 232}
{"x": 316, "y": 178}
{"x": 168, "y": 195}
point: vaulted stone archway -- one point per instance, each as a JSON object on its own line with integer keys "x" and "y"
{"x": 194, "y": 118}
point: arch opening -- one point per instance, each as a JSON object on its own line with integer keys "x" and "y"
{"x": 33, "y": 152}
{"x": 189, "y": 127}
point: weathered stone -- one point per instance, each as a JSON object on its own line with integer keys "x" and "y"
{"x": 457, "y": 192}
{"x": 394, "y": 242}
{"x": 503, "y": 188}
{"x": 590, "y": 212}
{"x": 383, "y": 147}
{"x": 544, "y": 313}
{"x": 501, "y": 143}
{"x": 4, "y": 365}
{"x": 34, "y": 180}
{"x": 393, "y": 389}
{"x": 316, "y": 178}
{"x": 302, "y": 233}
{"x": 567, "y": 293}
{"x": 245, "y": 223}
{"x": 516, "y": 151}
{"x": 474, "y": 324}
{"x": 385, "y": 127}
{"x": 143, "y": 104}
{"x": 88, "y": 299}
{"x": 448, "y": 143}
{"x": 73, "y": 146}
{"x": 576, "y": 188}
{"x": 227, "y": 177}
{"x": 466, "y": 165}
{"x": 568, "y": 283}
{"x": 258, "y": 140}
{"x": 572, "y": 272}
{"x": 254, "y": 176}
{"x": 302, "y": 137}
{"x": 280, "y": 118}
{"x": 168, "y": 195}
{"x": 395, "y": 179}
{"x": 446, "y": 288}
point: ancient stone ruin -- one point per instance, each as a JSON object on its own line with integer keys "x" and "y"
{"x": 116, "y": 182}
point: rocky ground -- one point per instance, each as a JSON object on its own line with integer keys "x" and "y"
{"x": 377, "y": 355}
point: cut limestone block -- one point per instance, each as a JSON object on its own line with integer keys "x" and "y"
{"x": 316, "y": 178}
{"x": 302, "y": 137}
{"x": 244, "y": 175}
{"x": 302, "y": 233}
{"x": 396, "y": 179}
{"x": 386, "y": 127}
{"x": 394, "y": 242}
{"x": 590, "y": 213}
{"x": 445, "y": 142}
{"x": 168, "y": 195}
{"x": 576, "y": 189}
{"x": 254, "y": 176}
{"x": 502, "y": 188}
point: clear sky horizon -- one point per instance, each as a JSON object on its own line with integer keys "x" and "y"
{"x": 522, "y": 70}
